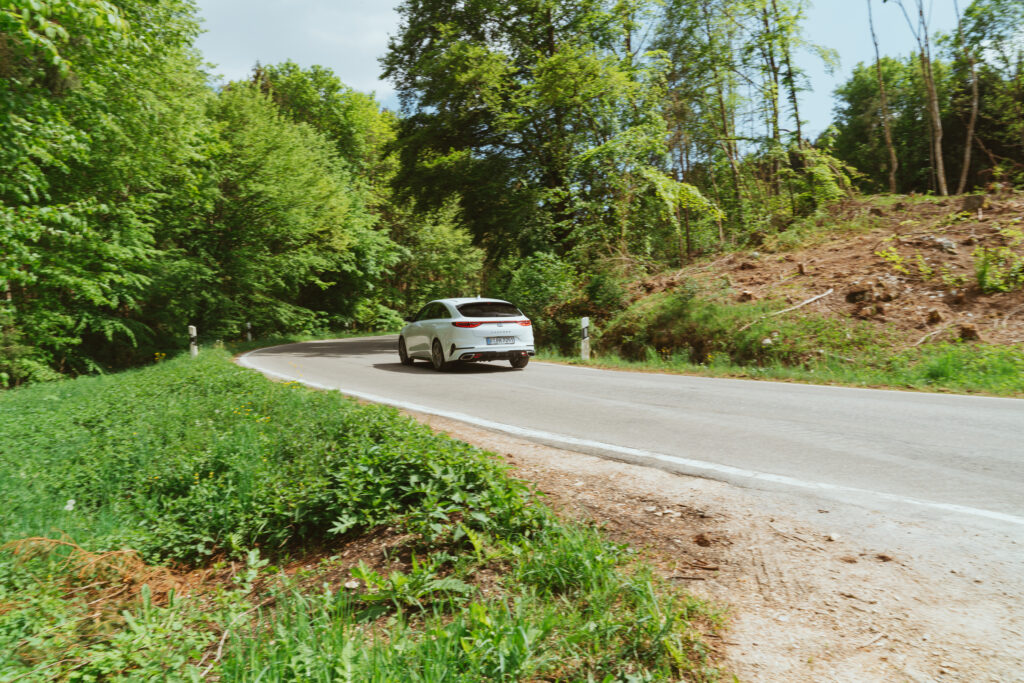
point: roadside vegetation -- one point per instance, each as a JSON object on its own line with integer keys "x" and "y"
{"x": 896, "y": 292}
{"x": 957, "y": 368}
{"x": 192, "y": 519}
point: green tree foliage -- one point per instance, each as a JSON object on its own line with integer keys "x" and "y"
{"x": 538, "y": 115}
{"x": 859, "y": 136}
{"x": 352, "y": 120}
{"x": 539, "y": 284}
{"x": 281, "y": 233}
{"x": 436, "y": 257}
{"x": 993, "y": 31}
{"x": 732, "y": 110}
{"x": 97, "y": 102}
{"x": 439, "y": 260}
{"x": 135, "y": 201}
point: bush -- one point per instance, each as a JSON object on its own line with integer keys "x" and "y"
{"x": 704, "y": 330}
{"x": 373, "y": 317}
{"x": 537, "y": 285}
{"x": 1000, "y": 269}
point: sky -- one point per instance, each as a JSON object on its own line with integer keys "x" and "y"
{"x": 348, "y": 36}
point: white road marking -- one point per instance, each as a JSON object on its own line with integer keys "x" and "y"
{"x": 698, "y": 465}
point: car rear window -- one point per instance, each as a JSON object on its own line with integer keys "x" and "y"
{"x": 489, "y": 309}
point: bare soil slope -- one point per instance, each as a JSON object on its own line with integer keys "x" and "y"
{"x": 906, "y": 263}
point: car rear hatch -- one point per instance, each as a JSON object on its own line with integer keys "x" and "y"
{"x": 494, "y": 323}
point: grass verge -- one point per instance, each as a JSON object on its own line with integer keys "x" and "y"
{"x": 192, "y": 520}
{"x": 686, "y": 332}
{"x": 954, "y": 368}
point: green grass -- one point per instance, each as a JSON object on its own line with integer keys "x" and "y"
{"x": 952, "y": 367}
{"x": 201, "y": 464}
{"x": 691, "y": 332}
{"x": 594, "y": 621}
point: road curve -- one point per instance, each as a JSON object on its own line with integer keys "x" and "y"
{"x": 932, "y": 455}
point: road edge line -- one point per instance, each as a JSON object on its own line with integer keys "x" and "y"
{"x": 698, "y": 465}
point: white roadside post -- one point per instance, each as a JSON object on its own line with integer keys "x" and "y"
{"x": 248, "y": 331}
{"x": 193, "y": 343}
{"x": 585, "y": 338}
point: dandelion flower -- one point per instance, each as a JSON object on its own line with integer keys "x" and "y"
{"x": 70, "y": 505}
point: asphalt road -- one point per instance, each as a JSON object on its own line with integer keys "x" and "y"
{"x": 932, "y": 456}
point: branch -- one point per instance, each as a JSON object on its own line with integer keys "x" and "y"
{"x": 791, "y": 308}
{"x": 928, "y": 336}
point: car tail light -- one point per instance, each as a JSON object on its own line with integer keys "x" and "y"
{"x": 525, "y": 323}
{"x": 467, "y": 324}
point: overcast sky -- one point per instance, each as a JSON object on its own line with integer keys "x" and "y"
{"x": 349, "y": 36}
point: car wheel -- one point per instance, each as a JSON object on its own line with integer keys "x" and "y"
{"x": 437, "y": 356}
{"x": 519, "y": 361}
{"x": 403, "y": 354}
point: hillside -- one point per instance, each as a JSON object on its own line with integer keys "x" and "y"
{"x": 914, "y": 292}
{"x": 908, "y": 264}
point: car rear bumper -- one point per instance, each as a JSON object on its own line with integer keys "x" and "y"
{"x": 485, "y": 354}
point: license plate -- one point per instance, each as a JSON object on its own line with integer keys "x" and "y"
{"x": 501, "y": 340}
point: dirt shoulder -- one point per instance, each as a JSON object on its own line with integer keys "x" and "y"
{"x": 803, "y": 603}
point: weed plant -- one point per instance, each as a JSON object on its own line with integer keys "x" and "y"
{"x": 191, "y": 458}
{"x": 1001, "y": 268}
{"x": 589, "y": 621}
{"x": 112, "y": 482}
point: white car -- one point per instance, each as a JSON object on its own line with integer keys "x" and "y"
{"x": 449, "y": 331}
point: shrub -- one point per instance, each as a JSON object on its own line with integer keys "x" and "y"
{"x": 1000, "y": 269}
{"x": 539, "y": 284}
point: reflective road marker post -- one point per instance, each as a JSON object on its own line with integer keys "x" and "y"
{"x": 193, "y": 345}
{"x": 585, "y": 338}
{"x": 248, "y": 331}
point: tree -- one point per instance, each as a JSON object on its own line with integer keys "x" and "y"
{"x": 284, "y": 239}
{"x": 991, "y": 32}
{"x": 968, "y": 56}
{"x": 979, "y": 93}
{"x": 134, "y": 200}
{"x": 884, "y": 106}
{"x": 921, "y": 35}
{"x": 505, "y": 104}
{"x": 439, "y": 259}
{"x": 96, "y": 112}
{"x": 860, "y": 139}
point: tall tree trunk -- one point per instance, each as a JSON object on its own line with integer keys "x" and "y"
{"x": 969, "y": 144}
{"x": 727, "y": 140}
{"x": 886, "y": 124}
{"x": 789, "y": 78}
{"x": 924, "y": 46}
{"x": 933, "y": 96}
{"x": 933, "y": 99}
{"x": 771, "y": 62}
{"x": 936, "y": 118}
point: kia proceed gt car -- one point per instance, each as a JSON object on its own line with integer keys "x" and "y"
{"x": 450, "y": 331}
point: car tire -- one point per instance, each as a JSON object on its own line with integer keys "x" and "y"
{"x": 519, "y": 362}
{"x": 403, "y": 353}
{"x": 437, "y": 357}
